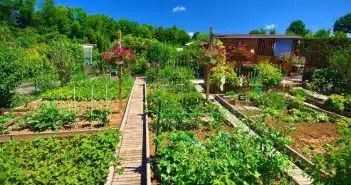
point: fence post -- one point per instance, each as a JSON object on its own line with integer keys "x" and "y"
{"x": 158, "y": 125}
{"x": 106, "y": 96}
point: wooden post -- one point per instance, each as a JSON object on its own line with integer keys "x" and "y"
{"x": 119, "y": 36}
{"x": 207, "y": 67}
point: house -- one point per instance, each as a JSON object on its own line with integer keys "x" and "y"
{"x": 245, "y": 49}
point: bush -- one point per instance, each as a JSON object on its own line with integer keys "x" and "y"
{"x": 271, "y": 100}
{"x": 339, "y": 102}
{"x": 341, "y": 61}
{"x": 336, "y": 102}
{"x": 269, "y": 75}
{"x": 11, "y": 72}
{"x": 141, "y": 65}
{"x": 67, "y": 59}
{"x": 326, "y": 80}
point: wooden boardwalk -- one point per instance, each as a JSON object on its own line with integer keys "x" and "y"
{"x": 132, "y": 150}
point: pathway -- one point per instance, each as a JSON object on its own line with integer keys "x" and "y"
{"x": 132, "y": 150}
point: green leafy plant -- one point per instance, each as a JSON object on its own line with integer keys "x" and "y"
{"x": 336, "y": 102}
{"x": 335, "y": 161}
{"x": 84, "y": 88}
{"x": 47, "y": 116}
{"x": 77, "y": 160}
{"x": 3, "y": 121}
{"x": 225, "y": 157}
{"x": 271, "y": 100}
{"x": 269, "y": 75}
{"x": 98, "y": 115}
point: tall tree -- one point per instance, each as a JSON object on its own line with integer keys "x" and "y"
{"x": 343, "y": 24}
{"x": 258, "y": 31}
{"x": 322, "y": 33}
{"x": 297, "y": 27}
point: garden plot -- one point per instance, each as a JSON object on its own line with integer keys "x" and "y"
{"x": 193, "y": 144}
{"x": 96, "y": 109}
{"x": 310, "y": 131}
{"x": 75, "y": 160}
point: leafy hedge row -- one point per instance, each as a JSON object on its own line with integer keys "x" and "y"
{"x": 77, "y": 160}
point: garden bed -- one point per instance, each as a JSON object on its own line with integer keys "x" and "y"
{"x": 195, "y": 143}
{"x": 74, "y": 160}
{"x": 308, "y": 137}
{"x": 80, "y": 123}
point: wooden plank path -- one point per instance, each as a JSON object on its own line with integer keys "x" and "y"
{"x": 133, "y": 145}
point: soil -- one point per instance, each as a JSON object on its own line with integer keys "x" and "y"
{"x": 81, "y": 108}
{"x": 308, "y": 138}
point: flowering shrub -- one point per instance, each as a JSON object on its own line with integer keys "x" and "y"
{"x": 242, "y": 50}
{"x": 118, "y": 55}
{"x": 288, "y": 57}
{"x": 216, "y": 54}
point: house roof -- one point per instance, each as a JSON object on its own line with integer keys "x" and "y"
{"x": 254, "y": 36}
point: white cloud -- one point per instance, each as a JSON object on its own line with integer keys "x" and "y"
{"x": 191, "y": 34}
{"x": 179, "y": 9}
{"x": 270, "y": 26}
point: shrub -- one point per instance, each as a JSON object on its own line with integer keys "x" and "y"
{"x": 141, "y": 65}
{"x": 271, "y": 100}
{"x": 67, "y": 58}
{"x": 326, "y": 80}
{"x": 336, "y": 102}
{"x": 269, "y": 75}
{"x": 11, "y": 72}
{"x": 341, "y": 61}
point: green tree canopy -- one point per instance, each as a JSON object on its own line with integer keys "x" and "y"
{"x": 298, "y": 28}
{"x": 258, "y": 31}
{"x": 322, "y": 33}
{"x": 343, "y": 24}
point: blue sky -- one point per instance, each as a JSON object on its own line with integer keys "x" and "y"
{"x": 227, "y": 16}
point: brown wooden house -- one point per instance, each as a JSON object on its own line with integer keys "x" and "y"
{"x": 258, "y": 48}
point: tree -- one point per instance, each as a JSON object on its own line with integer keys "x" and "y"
{"x": 340, "y": 35}
{"x": 67, "y": 58}
{"x": 257, "y": 31}
{"x": 11, "y": 73}
{"x": 202, "y": 37}
{"x": 297, "y": 27}
{"x": 272, "y": 31}
{"x": 322, "y": 33}
{"x": 343, "y": 24}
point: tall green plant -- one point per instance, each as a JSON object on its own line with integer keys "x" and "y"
{"x": 11, "y": 72}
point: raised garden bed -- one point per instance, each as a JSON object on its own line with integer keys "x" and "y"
{"x": 309, "y": 135}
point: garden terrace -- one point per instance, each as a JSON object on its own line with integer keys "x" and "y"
{"x": 308, "y": 129}
{"x": 187, "y": 141}
{"x": 60, "y": 111}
